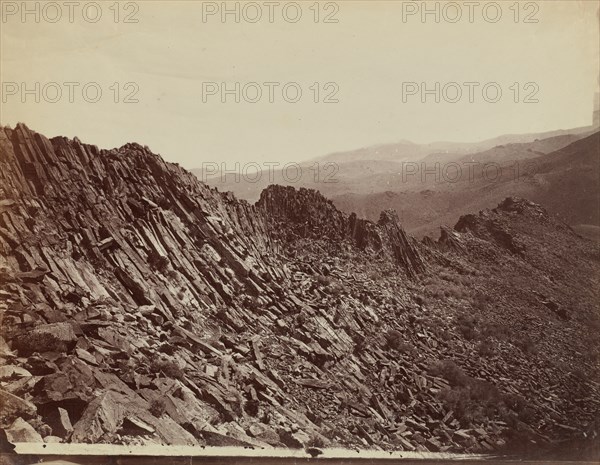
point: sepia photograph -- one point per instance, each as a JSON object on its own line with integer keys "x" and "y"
{"x": 298, "y": 232}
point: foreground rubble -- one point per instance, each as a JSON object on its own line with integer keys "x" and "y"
{"x": 140, "y": 306}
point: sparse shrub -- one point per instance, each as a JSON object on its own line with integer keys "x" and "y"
{"x": 158, "y": 406}
{"x": 30, "y": 342}
{"x": 485, "y": 348}
{"x": 167, "y": 367}
{"x": 395, "y": 341}
{"x": 324, "y": 280}
{"x": 252, "y": 407}
{"x": 316, "y": 441}
{"x": 167, "y": 349}
{"x": 252, "y": 303}
{"x": 472, "y": 402}
{"x": 158, "y": 262}
{"x": 375, "y": 275}
{"x": 457, "y": 293}
{"x": 447, "y": 286}
{"x": 515, "y": 402}
{"x": 466, "y": 325}
{"x": 359, "y": 348}
{"x": 496, "y": 330}
{"x": 526, "y": 344}
{"x": 172, "y": 275}
{"x": 481, "y": 301}
{"x": 333, "y": 287}
{"x": 450, "y": 371}
{"x": 444, "y": 334}
{"x": 300, "y": 319}
{"x": 437, "y": 326}
{"x": 456, "y": 278}
{"x": 337, "y": 289}
{"x": 419, "y": 300}
{"x": 475, "y": 400}
{"x": 526, "y": 415}
{"x": 221, "y": 314}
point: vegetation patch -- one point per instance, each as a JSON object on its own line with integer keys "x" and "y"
{"x": 31, "y": 342}
{"x": 167, "y": 367}
{"x": 477, "y": 401}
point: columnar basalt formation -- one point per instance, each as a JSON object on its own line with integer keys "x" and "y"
{"x": 140, "y": 306}
{"x": 305, "y": 213}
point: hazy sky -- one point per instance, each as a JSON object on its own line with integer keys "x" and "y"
{"x": 172, "y": 53}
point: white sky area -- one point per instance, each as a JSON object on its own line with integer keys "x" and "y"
{"x": 171, "y": 53}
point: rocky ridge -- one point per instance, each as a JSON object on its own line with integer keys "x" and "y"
{"x": 140, "y": 306}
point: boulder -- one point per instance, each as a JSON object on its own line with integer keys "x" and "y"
{"x": 14, "y": 407}
{"x": 21, "y": 431}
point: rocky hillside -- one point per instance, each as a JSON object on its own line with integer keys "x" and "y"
{"x": 140, "y": 306}
{"x": 566, "y": 181}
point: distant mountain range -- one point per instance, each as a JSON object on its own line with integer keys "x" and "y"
{"x": 430, "y": 185}
{"x": 409, "y": 151}
{"x": 565, "y": 181}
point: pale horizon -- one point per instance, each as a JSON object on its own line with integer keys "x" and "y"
{"x": 169, "y": 53}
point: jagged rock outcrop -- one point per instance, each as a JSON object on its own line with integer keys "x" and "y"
{"x": 306, "y": 213}
{"x": 139, "y": 306}
{"x": 488, "y": 225}
{"x": 498, "y": 224}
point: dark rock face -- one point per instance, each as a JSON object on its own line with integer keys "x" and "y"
{"x": 306, "y": 213}
{"x": 498, "y": 224}
{"x": 405, "y": 249}
{"x": 311, "y": 214}
{"x": 140, "y": 306}
{"x": 488, "y": 227}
